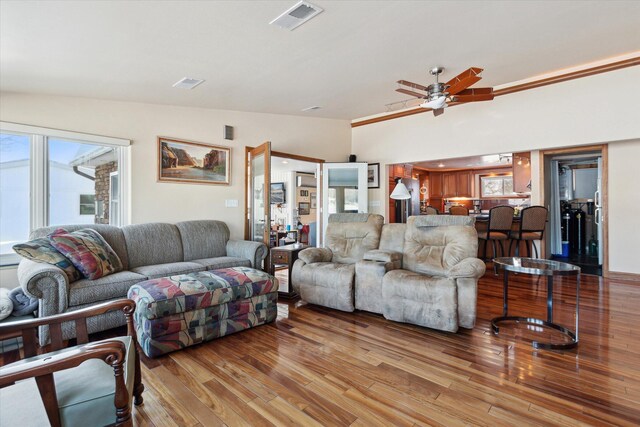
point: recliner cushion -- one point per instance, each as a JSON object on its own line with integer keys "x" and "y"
{"x": 349, "y": 236}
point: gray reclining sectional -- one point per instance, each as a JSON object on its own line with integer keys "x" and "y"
{"x": 424, "y": 272}
{"x": 147, "y": 251}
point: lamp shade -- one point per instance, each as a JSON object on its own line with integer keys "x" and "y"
{"x": 400, "y": 192}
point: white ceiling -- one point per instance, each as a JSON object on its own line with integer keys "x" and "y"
{"x": 346, "y": 59}
{"x": 479, "y": 162}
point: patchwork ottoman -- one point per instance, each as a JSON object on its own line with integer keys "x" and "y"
{"x": 180, "y": 311}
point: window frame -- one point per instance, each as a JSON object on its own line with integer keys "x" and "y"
{"x": 39, "y": 172}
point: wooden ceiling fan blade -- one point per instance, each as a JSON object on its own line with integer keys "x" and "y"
{"x": 473, "y": 95}
{"x": 412, "y": 85}
{"x": 464, "y": 80}
{"x": 412, "y": 93}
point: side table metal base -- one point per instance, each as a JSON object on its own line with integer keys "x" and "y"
{"x": 539, "y": 322}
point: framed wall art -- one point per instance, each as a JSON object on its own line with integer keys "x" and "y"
{"x": 303, "y": 208}
{"x": 193, "y": 162}
{"x": 373, "y": 175}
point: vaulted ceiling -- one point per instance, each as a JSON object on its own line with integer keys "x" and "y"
{"x": 345, "y": 60}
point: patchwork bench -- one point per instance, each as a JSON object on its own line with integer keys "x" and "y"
{"x": 179, "y": 311}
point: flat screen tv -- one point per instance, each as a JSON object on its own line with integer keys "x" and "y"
{"x": 278, "y": 193}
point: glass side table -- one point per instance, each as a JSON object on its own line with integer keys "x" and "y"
{"x": 539, "y": 267}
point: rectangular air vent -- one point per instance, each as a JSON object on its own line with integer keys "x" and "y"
{"x": 297, "y": 15}
{"x": 188, "y": 83}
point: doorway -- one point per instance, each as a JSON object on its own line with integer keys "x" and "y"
{"x": 575, "y": 193}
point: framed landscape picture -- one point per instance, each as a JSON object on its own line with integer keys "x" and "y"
{"x": 193, "y": 162}
{"x": 373, "y": 175}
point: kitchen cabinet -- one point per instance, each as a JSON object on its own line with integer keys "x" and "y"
{"x": 464, "y": 184}
{"x": 435, "y": 185}
{"x": 402, "y": 171}
{"x": 449, "y": 184}
{"x": 457, "y": 184}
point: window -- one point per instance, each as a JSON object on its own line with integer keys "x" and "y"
{"x": 52, "y": 177}
{"x": 496, "y": 186}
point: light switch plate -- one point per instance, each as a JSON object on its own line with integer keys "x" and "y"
{"x": 231, "y": 203}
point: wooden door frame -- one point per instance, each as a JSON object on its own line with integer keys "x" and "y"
{"x": 247, "y": 150}
{"x": 267, "y": 171}
{"x": 604, "y": 152}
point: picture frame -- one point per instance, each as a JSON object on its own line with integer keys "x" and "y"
{"x": 373, "y": 175}
{"x": 313, "y": 201}
{"x": 190, "y": 162}
{"x": 304, "y": 208}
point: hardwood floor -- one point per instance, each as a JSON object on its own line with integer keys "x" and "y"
{"x": 316, "y": 366}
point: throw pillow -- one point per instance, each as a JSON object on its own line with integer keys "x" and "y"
{"x": 88, "y": 251}
{"x": 40, "y": 250}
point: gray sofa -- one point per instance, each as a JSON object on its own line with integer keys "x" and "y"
{"x": 424, "y": 272}
{"x": 147, "y": 251}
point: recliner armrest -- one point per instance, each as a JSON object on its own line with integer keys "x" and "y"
{"x": 469, "y": 267}
{"x": 311, "y": 255}
{"x": 384, "y": 256}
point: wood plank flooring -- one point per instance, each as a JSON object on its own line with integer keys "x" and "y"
{"x": 316, "y": 366}
{"x": 320, "y": 367}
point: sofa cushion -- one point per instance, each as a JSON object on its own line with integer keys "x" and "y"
{"x": 203, "y": 239}
{"x": 169, "y": 269}
{"x": 116, "y": 285}
{"x": 153, "y": 243}
{"x": 421, "y": 300}
{"x": 435, "y": 243}
{"x": 223, "y": 262}
{"x": 85, "y": 392}
{"x": 349, "y": 236}
{"x": 88, "y": 251}
{"x": 41, "y": 250}
{"x": 111, "y": 234}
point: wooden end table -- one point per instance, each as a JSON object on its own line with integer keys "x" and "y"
{"x": 286, "y": 255}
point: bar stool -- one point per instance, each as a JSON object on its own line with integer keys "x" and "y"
{"x": 459, "y": 210}
{"x": 498, "y": 229}
{"x": 430, "y": 210}
{"x": 532, "y": 224}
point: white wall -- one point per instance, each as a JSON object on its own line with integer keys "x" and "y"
{"x": 574, "y": 113}
{"x": 624, "y": 206}
{"x": 142, "y": 123}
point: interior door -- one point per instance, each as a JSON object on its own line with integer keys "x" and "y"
{"x": 344, "y": 190}
{"x": 598, "y": 213}
{"x": 258, "y": 193}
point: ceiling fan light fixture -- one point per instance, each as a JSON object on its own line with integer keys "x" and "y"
{"x": 435, "y": 104}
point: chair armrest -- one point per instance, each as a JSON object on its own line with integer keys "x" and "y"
{"x": 312, "y": 255}
{"x": 256, "y": 252}
{"x": 46, "y": 282}
{"x": 468, "y": 267}
{"x": 113, "y": 352}
{"x": 384, "y": 256}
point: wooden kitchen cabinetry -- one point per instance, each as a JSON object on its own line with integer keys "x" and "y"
{"x": 403, "y": 171}
{"x": 457, "y": 184}
{"x": 435, "y": 185}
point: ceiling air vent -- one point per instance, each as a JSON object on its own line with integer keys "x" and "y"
{"x": 187, "y": 83}
{"x": 297, "y": 15}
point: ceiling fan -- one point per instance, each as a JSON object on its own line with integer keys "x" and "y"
{"x": 437, "y": 96}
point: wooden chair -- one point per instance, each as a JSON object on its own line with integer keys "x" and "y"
{"x": 430, "y": 210}
{"x": 459, "y": 210}
{"x": 533, "y": 221}
{"x": 498, "y": 229}
{"x": 76, "y": 384}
